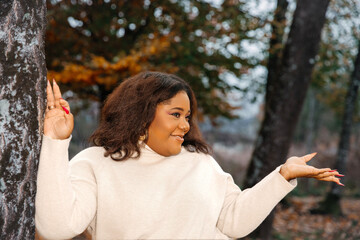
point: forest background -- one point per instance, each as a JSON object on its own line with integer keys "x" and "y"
{"x": 222, "y": 49}
{"x": 237, "y": 56}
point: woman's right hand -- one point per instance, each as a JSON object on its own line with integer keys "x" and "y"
{"x": 59, "y": 122}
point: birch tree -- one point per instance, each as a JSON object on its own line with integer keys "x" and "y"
{"x": 22, "y": 94}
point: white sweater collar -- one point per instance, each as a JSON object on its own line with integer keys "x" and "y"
{"x": 148, "y": 154}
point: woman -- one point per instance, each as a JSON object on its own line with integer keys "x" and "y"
{"x": 150, "y": 175}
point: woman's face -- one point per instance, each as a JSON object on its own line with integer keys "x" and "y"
{"x": 171, "y": 123}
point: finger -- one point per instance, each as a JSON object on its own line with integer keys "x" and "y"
{"x": 64, "y": 105}
{"x": 69, "y": 120}
{"x": 49, "y": 96}
{"x": 328, "y": 179}
{"x": 331, "y": 179}
{"x": 57, "y": 94}
{"x": 308, "y": 157}
{"x": 324, "y": 172}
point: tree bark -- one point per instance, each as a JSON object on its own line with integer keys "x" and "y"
{"x": 276, "y": 43}
{"x": 285, "y": 93}
{"x": 22, "y": 105}
{"x": 331, "y": 204}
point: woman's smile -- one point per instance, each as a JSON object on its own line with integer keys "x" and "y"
{"x": 178, "y": 138}
{"x": 170, "y": 124}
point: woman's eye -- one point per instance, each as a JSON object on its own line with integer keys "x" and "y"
{"x": 188, "y": 118}
{"x": 177, "y": 115}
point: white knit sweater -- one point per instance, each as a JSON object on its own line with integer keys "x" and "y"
{"x": 187, "y": 196}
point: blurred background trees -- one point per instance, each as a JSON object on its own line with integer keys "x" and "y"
{"x": 93, "y": 45}
{"x": 236, "y": 55}
{"x": 331, "y": 204}
{"x": 290, "y": 66}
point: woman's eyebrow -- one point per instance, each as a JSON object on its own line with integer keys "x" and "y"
{"x": 179, "y": 108}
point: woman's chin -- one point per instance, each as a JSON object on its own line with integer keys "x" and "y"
{"x": 175, "y": 150}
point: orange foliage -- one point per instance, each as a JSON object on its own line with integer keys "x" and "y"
{"x": 101, "y": 71}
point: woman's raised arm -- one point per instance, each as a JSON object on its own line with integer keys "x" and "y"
{"x": 66, "y": 193}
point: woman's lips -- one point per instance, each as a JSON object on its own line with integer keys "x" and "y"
{"x": 178, "y": 138}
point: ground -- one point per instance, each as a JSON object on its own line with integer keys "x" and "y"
{"x": 297, "y": 223}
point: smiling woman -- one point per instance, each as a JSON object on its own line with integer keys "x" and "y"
{"x": 153, "y": 106}
{"x": 171, "y": 123}
{"x": 150, "y": 174}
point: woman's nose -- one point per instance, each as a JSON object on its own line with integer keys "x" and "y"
{"x": 184, "y": 125}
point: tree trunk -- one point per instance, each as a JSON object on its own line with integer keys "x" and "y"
{"x": 309, "y": 131}
{"x": 310, "y": 123}
{"x": 22, "y": 105}
{"x": 331, "y": 204}
{"x": 285, "y": 93}
{"x": 276, "y": 42}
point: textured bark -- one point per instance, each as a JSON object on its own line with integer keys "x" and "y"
{"x": 331, "y": 204}
{"x": 285, "y": 94}
{"x": 276, "y": 43}
{"x": 310, "y": 122}
{"x": 22, "y": 94}
{"x": 310, "y": 130}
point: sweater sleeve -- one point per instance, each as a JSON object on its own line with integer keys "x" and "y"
{"x": 243, "y": 211}
{"x": 66, "y": 197}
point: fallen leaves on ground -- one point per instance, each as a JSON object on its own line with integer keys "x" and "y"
{"x": 297, "y": 223}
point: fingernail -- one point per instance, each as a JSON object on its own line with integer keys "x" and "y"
{"x": 67, "y": 111}
{"x": 341, "y": 184}
{"x": 332, "y": 170}
{"x": 339, "y": 175}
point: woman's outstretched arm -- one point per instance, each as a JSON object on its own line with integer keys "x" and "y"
{"x": 243, "y": 211}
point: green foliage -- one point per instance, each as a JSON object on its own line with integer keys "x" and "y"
{"x": 198, "y": 41}
{"x": 338, "y": 50}
{"x": 332, "y": 70}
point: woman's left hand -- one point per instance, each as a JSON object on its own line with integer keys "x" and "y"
{"x": 296, "y": 167}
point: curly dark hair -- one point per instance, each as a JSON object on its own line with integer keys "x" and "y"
{"x": 130, "y": 108}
